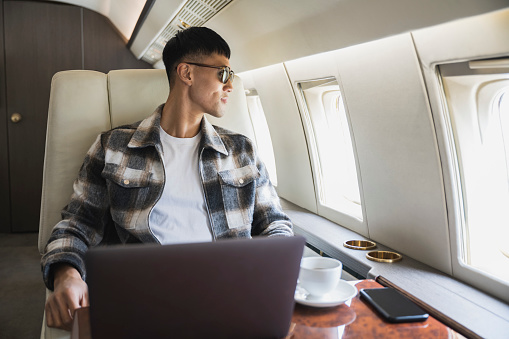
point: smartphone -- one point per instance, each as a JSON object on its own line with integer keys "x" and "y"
{"x": 392, "y": 305}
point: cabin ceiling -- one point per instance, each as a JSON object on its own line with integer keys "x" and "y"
{"x": 266, "y": 32}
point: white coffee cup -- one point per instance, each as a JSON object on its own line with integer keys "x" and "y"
{"x": 319, "y": 275}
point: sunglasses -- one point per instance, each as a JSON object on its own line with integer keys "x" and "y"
{"x": 224, "y": 74}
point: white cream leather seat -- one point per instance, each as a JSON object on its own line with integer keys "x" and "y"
{"x": 85, "y": 103}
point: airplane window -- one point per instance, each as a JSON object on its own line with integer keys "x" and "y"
{"x": 478, "y": 103}
{"x": 331, "y": 146}
{"x": 262, "y": 134}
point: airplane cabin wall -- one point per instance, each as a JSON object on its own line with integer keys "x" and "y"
{"x": 395, "y": 106}
{"x": 409, "y": 181}
{"x": 397, "y": 149}
{"x": 394, "y": 140}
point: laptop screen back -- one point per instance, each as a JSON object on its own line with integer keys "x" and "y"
{"x": 242, "y": 288}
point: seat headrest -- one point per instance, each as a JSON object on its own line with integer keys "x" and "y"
{"x": 134, "y": 94}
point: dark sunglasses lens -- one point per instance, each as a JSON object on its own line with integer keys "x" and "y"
{"x": 224, "y": 75}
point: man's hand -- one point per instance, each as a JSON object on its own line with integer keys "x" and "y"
{"x": 70, "y": 293}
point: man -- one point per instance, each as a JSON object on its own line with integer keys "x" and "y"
{"x": 171, "y": 178}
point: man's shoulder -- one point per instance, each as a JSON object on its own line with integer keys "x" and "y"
{"x": 121, "y": 133}
{"x": 128, "y": 128}
{"x": 223, "y": 132}
{"x": 226, "y": 134}
{"x": 235, "y": 142}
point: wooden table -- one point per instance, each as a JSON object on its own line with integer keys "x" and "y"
{"x": 354, "y": 319}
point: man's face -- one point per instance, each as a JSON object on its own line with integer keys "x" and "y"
{"x": 208, "y": 93}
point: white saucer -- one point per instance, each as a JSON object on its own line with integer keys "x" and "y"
{"x": 342, "y": 293}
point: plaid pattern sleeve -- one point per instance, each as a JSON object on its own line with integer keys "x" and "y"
{"x": 268, "y": 217}
{"x": 70, "y": 239}
{"x": 119, "y": 182}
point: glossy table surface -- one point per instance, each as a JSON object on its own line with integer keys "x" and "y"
{"x": 356, "y": 319}
{"x": 353, "y": 319}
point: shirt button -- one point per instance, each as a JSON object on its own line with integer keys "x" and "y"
{"x": 126, "y": 182}
{"x": 241, "y": 181}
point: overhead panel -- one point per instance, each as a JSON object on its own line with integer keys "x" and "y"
{"x": 193, "y": 13}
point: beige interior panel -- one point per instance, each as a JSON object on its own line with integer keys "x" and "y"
{"x": 135, "y": 94}
{"x": 78, "y": 112}
{"x": 295, "y": 179}
{"x": 397, "y": 150}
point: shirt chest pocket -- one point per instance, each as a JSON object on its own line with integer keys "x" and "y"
{"x": 238, "y": 187}
{"x": 126, "y": 177}
{"x": 128, "y": 189}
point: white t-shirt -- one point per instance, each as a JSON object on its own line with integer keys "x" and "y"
{"x": 180, "y": 215}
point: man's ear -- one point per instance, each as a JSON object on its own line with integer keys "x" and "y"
{"x": 184, "y": 73}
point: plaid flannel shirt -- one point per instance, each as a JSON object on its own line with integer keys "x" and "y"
{"x": 123, "y": 177}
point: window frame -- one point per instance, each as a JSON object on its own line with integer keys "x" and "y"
{"x": 458, "y": 221}
{"x": 349, "y": 221}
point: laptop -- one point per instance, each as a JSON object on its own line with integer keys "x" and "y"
{"x": 238, "y": 288}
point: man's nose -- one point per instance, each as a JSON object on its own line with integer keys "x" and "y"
{"x": 228, "y": 87}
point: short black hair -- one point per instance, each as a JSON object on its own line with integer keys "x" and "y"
{"x": 192, "y": 42}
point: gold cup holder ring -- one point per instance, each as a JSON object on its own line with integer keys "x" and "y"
{"x": 384, "y": 256}
{"x": 360, "y": 244}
